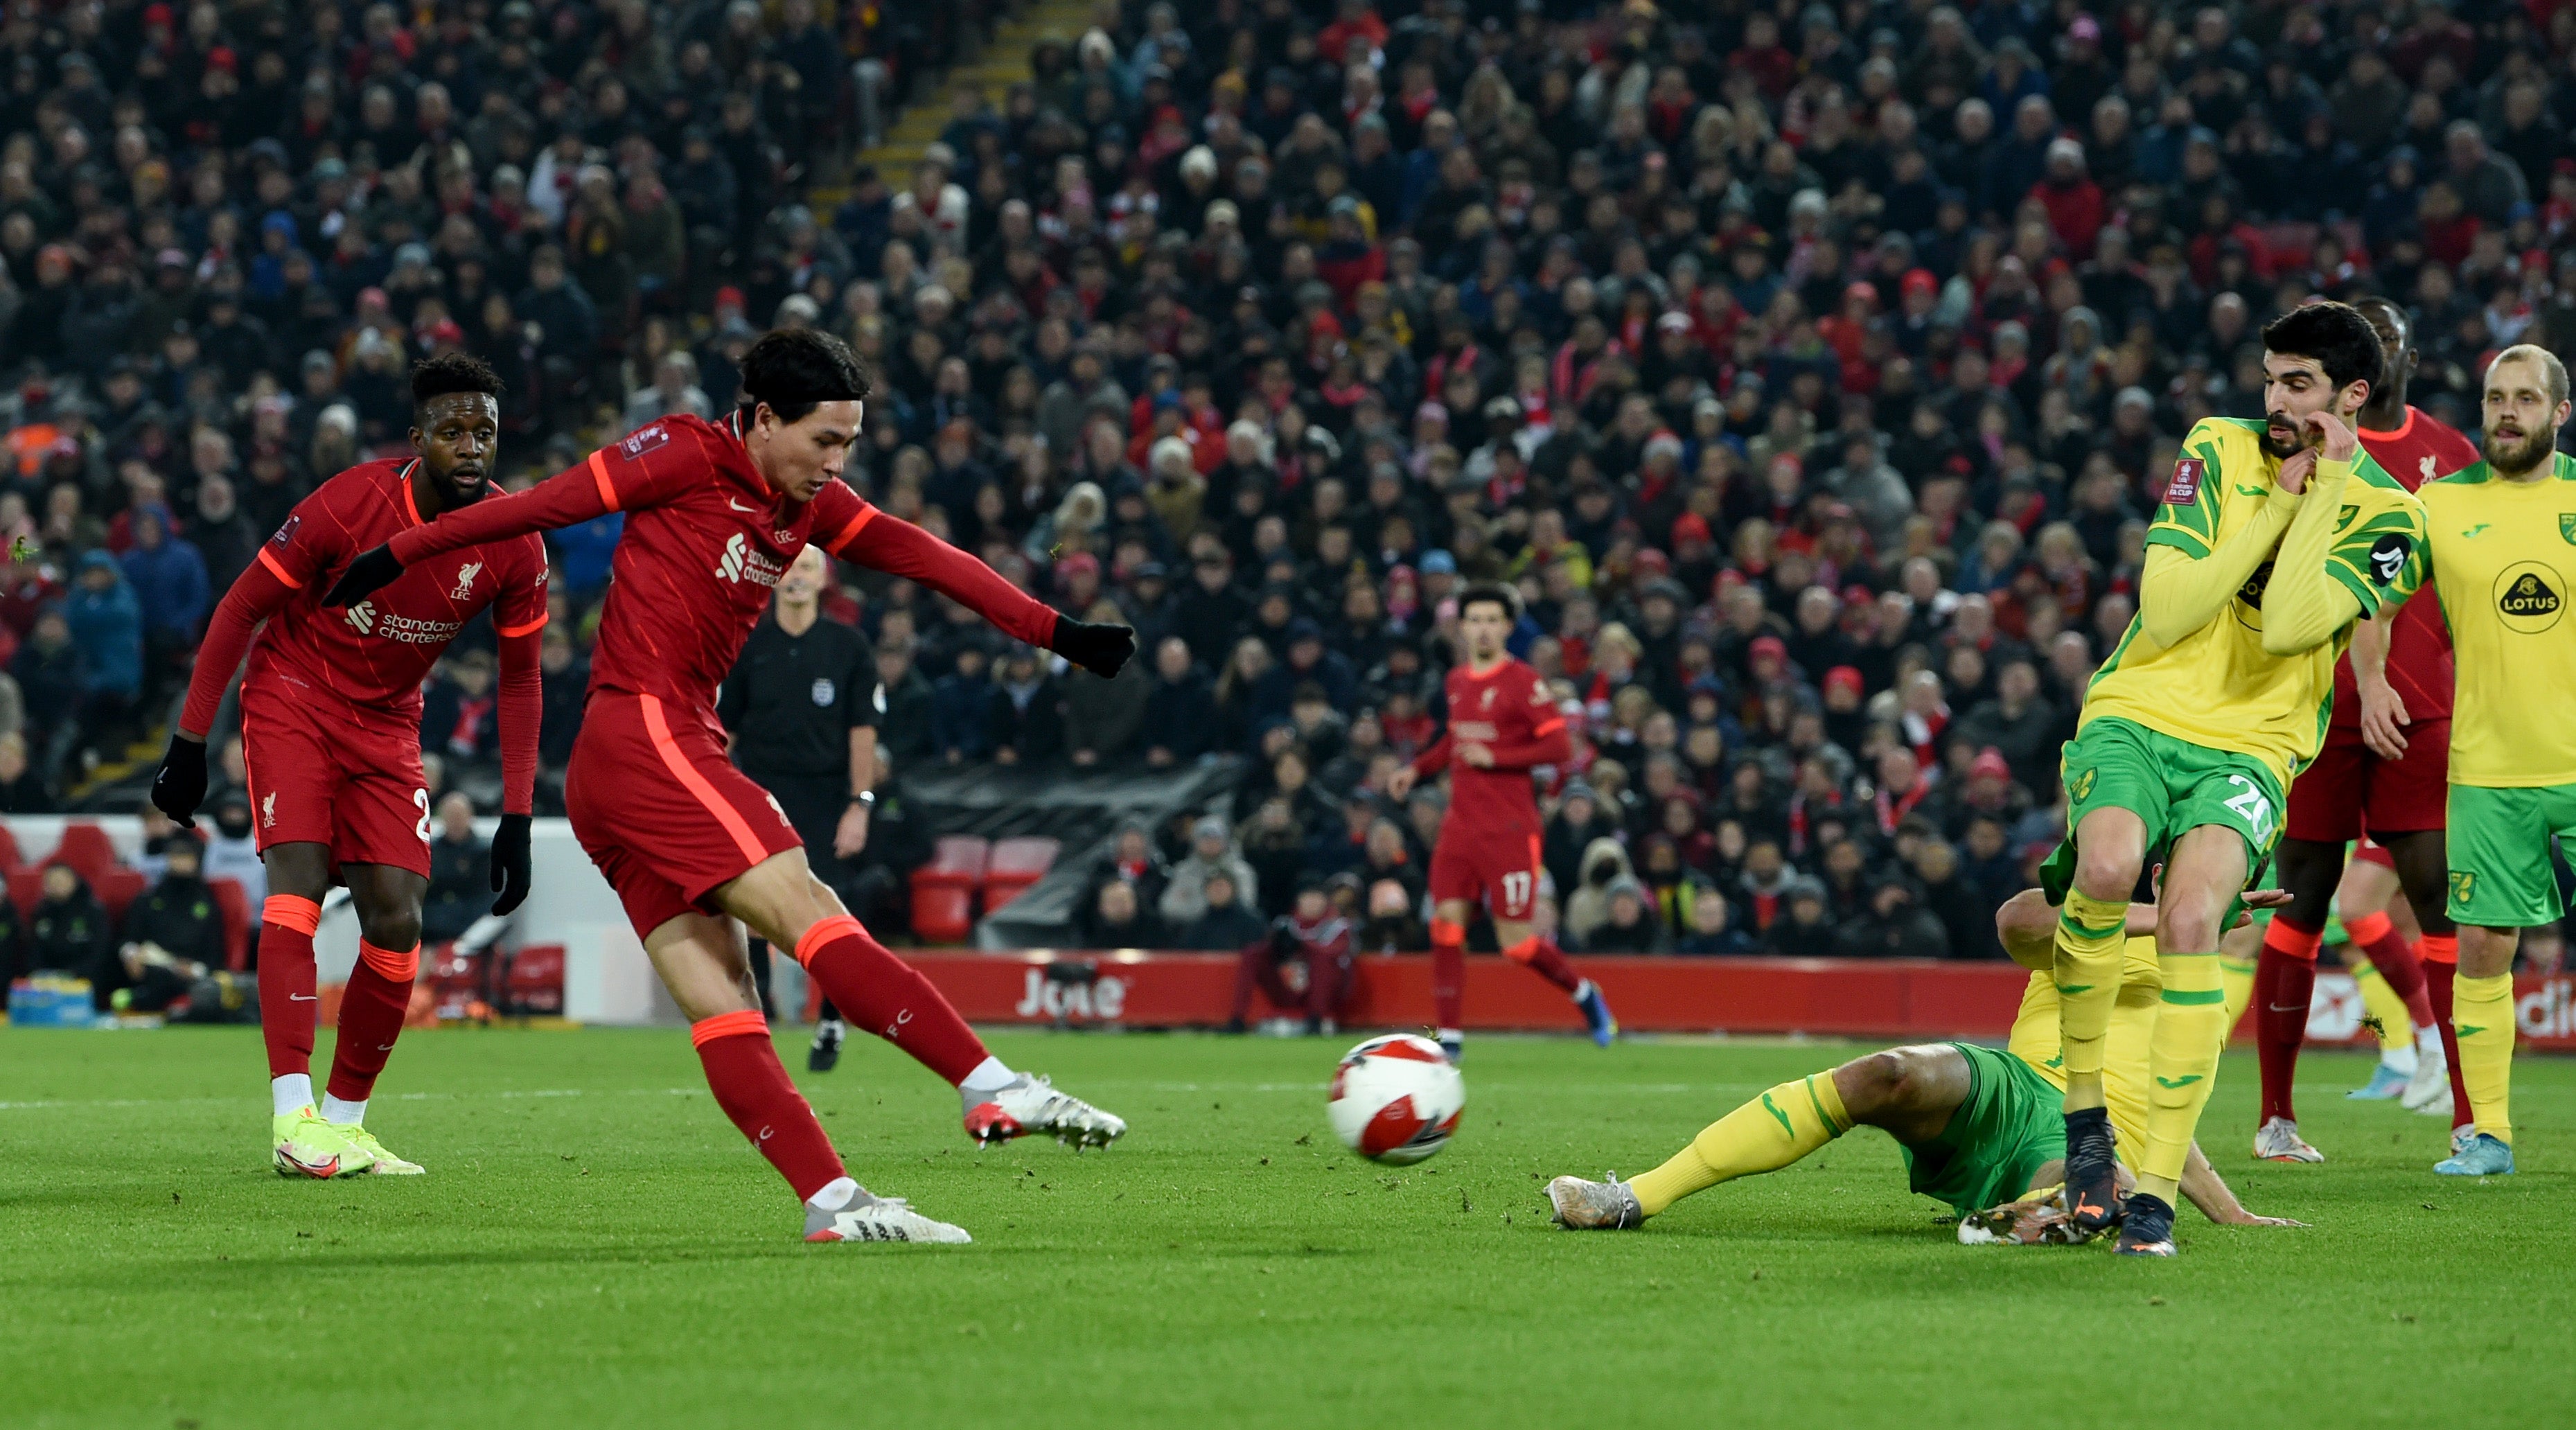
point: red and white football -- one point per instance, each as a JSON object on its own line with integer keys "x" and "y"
{"x": 1395, "y": 1099}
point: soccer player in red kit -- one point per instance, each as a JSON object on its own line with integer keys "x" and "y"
{"x": 330, "y": 714}
{"x": 715, "y": 512}
{"x": 2384, "y": 771}
{"x": 1502, "y": 724}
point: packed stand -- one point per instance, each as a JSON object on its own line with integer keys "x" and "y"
{"x": 225, "y": 232}
{"x": 1811, "y": 373}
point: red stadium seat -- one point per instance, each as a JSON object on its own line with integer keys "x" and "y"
{"x": 26, "y": 890}
{"x": 234, "y": 901}
{"x": 87, "y": 849}
{"x": 942, "y": 913}
{"x": 116, "y": 889}
{"x": 10, "y": 857}
{"x": 535, "y": 983}
{"x": 1015, "y": 865}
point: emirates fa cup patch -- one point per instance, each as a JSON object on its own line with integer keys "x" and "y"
{"x": 2184, "y": 488}
{"x": 644, "y": 440}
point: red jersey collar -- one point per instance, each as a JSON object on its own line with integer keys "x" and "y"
{"x": 2399, "y": 433}
{"x": 402, "y": 478}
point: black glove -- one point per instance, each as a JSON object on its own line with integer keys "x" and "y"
{"x": 509, "y": 862}
{"x": 180, "y": 786}
{"x": 371, "y": 572}
{"x": 1102, "y": 650}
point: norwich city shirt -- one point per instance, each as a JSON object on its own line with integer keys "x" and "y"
{"x": 2216, "y": 687}
{"x": 2504, "y": 553}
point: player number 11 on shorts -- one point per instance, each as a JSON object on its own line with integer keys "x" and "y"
{"x": 1516, "y": 889}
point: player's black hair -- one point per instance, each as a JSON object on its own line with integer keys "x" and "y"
{"x": 452, "y": 372}
{"x": 795, "y": 370}
{"x": 1494, "y": 592}
{"x": 2335, "y": 334}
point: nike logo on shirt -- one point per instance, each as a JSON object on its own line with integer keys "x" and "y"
{"x": 745, "y": 510}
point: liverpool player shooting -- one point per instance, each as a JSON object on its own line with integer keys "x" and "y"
{"x": 331, "y": 737}
{"x": 1502, "y": 724}
{"x": 715, "y": 511}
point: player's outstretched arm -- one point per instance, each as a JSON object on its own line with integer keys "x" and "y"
{"x": 568, "y": 498}
{"x": 2210, "y": 1192}
{"x": 897, "y": 547}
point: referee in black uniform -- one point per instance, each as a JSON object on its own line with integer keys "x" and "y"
{"x": 802, "y": 705}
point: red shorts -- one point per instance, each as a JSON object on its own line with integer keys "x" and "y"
{"x": 1502, "y": 869}
{"x": 2350, "y": 792}
{"x": 2369, "y": 853}
{"x": 321, "y": 773}
{"x": 661, "y": 811}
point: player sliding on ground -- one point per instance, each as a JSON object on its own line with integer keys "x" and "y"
{"x": 2372, "y": 778}
{"x": 1502, "y": 724}
{"x": 1979, "y": 1129}
{"x": 715, "y": 513}
{"x": 330, "y": 717}
{"x": 2503, "y": 536}
{"x": 2272, "y": 538}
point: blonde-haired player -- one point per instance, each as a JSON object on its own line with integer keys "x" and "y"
{"x": 2503, "y": 543}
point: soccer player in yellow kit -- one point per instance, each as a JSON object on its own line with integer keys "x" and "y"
{"x": 2272, "y": 538}
{"x": 2503, "y": 544}
{"x": 1979, "y": 1129}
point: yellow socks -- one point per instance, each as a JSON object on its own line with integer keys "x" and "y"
{"x": 2396, "y": 1030}
{"x": 2482, "y": 1014}
{"x": 2090, "y": 933}
{"x": 2182, "y": 1062}
{"x": 1763, "y": 1135}
{"x": 2236, "y": 978}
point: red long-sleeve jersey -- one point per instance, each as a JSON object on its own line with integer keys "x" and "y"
{"x": 366, "y": 663}
{"x": 1509, "y": 711}
{"x": 706, "y": 539}
{"x": 2419, "y": 644}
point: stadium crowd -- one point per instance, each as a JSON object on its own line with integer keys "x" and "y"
{"x": 1809, "y": 370}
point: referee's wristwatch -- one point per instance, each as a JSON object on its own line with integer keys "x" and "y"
{"x": 865, "y": 797}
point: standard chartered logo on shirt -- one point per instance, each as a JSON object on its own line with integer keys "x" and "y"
{"x": 740, "y": 562}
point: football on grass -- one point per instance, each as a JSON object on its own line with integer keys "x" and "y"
{"x": 1395, "y": 1099}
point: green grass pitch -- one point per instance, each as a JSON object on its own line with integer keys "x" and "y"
{"x": 595, "y": 1245}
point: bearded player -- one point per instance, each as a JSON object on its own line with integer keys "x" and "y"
{"x": 2503, "y": 537}
{"x": 330, "y": 715}
{"x": 2272, "y": 538}
{"x": 716, "y": 512}
{"x": 1502, "y": 724}
{"x": 1979, "y": 1129}
{"x": 2382, "y": 773}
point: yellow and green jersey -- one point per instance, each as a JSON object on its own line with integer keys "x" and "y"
{"x": 2035, "y": 1041}
{"x": 2217, "y": 688}
{"x": 2504, "y": 554}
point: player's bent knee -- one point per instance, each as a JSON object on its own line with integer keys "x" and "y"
{"x": 393, "y": 929}
{"x": 2106, "y": 873}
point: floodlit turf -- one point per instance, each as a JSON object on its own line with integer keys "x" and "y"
{"x": 595, "y": 1245}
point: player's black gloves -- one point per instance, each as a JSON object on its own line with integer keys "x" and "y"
{"x": 1102, "y": 650}
{"x": 510, "y": 863}
{"x": 371, "y": 572}
{"x": 180, "y": 786}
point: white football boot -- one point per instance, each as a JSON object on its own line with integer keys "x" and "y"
{"x": 1031, "y": 1106}
{"x": 1606, "y": 1205}
{"x": 2278, "y": 1140}
{"x": 868, "y": 1218}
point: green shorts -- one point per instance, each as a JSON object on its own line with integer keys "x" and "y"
{"x": 2499, "y": 849}
{"x": 2012, "y": 1122}
{"x": 2173, "y": 785}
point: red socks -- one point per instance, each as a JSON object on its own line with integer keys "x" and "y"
{"x": 1540, "y": 955}
{"x": 371, "y": 1018}
{"x": 743, "y": 1071}
{"x": 1448, "y": 975}
{"x": 2441, "y": 954}
{"x": 2378, "y": 937}
{"x": 2285, "y": 978}
{"x": 286, "y": 1006}
{"x": 888, "y": 997}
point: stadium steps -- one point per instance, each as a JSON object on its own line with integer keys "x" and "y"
{"x": 1004, "y": 62}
